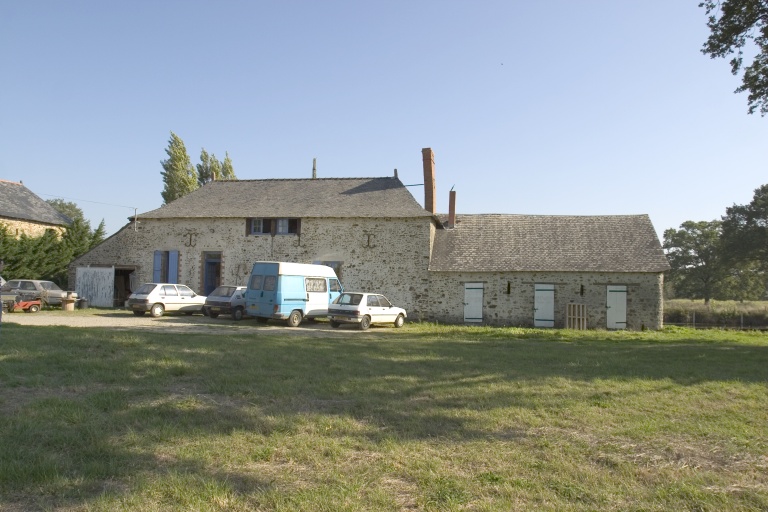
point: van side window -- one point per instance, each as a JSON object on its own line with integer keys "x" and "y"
{"x": 316, "y": 284}
{"x": 269, "y": 283}
{"x": 255, "y": 283}
{"x": 335, "y": 285}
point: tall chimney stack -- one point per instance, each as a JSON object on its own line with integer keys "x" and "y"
{"x": 428, "y": 159}
{"x": 452, "y": 208}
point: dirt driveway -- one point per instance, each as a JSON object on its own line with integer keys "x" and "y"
{"x": 126, "y": 320}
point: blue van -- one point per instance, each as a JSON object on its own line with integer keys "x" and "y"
{"x": 290, "y": 291}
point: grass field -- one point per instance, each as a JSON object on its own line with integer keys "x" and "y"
{"x": 423, "y": 418}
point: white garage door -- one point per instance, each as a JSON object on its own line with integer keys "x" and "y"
{"x": 96, "y": 285}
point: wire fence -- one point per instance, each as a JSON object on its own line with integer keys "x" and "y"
{"x": 717, "y": 319}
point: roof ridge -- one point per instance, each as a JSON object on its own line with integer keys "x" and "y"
{"x": 311, "y": 179}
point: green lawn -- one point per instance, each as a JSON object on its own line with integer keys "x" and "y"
{"x": 423, "y": 418}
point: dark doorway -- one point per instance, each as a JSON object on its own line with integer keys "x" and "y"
{"x": 211, "y": 271}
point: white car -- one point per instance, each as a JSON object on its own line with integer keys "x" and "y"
{"x": 364, "y": 309}
{"x": 157, "y": 298}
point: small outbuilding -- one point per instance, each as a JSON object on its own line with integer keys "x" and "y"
{"x": 548, "y": 271}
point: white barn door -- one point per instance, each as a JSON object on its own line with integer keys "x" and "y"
{"x": 544, "y": 305}
{"x": 473, "y": 302}
{"x": 616, "y": 307}
{"x": 97, "y": 285}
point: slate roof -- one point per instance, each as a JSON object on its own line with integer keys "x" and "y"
{"x": 321, "y": 197}
{"x": 18, "y": 202}
{"x": 539, "y": 243}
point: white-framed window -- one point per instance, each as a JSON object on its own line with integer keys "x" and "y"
{"x": 269, "y": 226}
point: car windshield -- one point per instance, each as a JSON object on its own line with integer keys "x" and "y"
{"x": 49, "y": 285}
{"x": 349, "y": 298}
{"x": 223, "y": 291}
{"x": 145, "y": 289}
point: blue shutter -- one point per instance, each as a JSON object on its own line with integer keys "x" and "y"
{"x": 157, "y": 267}
{"x": 173, "y": 267}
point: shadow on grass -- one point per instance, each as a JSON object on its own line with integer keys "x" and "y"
{"x": 82, "y": 407}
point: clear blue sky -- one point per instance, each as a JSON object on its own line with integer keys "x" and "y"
{"x": 549, "y": 107}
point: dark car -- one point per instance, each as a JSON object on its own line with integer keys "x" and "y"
{"x": 47, "y": 292}
{"x": 226, "y": 300}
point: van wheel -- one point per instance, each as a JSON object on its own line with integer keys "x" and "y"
{"x": 295, "y": 319}
{"x": 213, "y": 315}
{"x": 399, "y": 321}
{"x": 157, "y": 310}
{"x": 237, "y": 314}
{"x": 365, "y": 323}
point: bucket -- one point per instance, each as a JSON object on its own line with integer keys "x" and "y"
{"x": 82, "y": 304}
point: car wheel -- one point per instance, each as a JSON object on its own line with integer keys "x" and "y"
{"x": 34, "y": 308}
{"x": 399, "y": 321}
{"x": 365, "y": 323}
{"x": 157, "y": 310}
{"x": 335, "y": 324}
{"x": 294, "y": 319}
{"x": 213, "y": 315}
{"x": 237, "y": 313}
{"x": 139, "y": 313}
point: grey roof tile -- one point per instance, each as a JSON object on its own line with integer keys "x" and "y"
{"x": 18, "y": 202}
{"x": 322, "y": 197}
{"x": 538, "y": 243}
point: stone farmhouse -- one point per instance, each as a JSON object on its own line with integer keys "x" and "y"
{"x": 527, "y": 270}
{"x": 22, "y": 212}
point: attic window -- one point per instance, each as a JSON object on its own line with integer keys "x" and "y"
{"x": 268, "y": 226}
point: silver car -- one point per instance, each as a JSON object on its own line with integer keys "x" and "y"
{"x": 157, "y": 298}
{"x": 47, "y": 292}
{"x": 364, "y": 309}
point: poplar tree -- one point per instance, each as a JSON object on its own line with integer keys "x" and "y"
{"x": 227, "y": 171}
{"x": 179, "y": 175}
{"x": 211, "y": 169}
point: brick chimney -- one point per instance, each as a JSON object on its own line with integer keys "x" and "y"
{"x": 428, "y": 158}
{"x": 452, "y": 208}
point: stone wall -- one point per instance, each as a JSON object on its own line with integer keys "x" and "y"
{"x": 508, "y": 296}
{"x": 390, "y": 256}
{"x": 30, "y": 228}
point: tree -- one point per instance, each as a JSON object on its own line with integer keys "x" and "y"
{"x": 733, "y": 25}
{"x": 179, "y": 176}
{"x": 211, "y": 169}
{"x": 68, "y": 208}
{"x": 227, "y": 171}
{"x": 694, "y": 253}
{"x": 745, "y": 229}
{"x": 98, "y": 236}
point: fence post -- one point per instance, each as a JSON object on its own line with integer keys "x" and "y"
{"x": 694, "y": 318}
